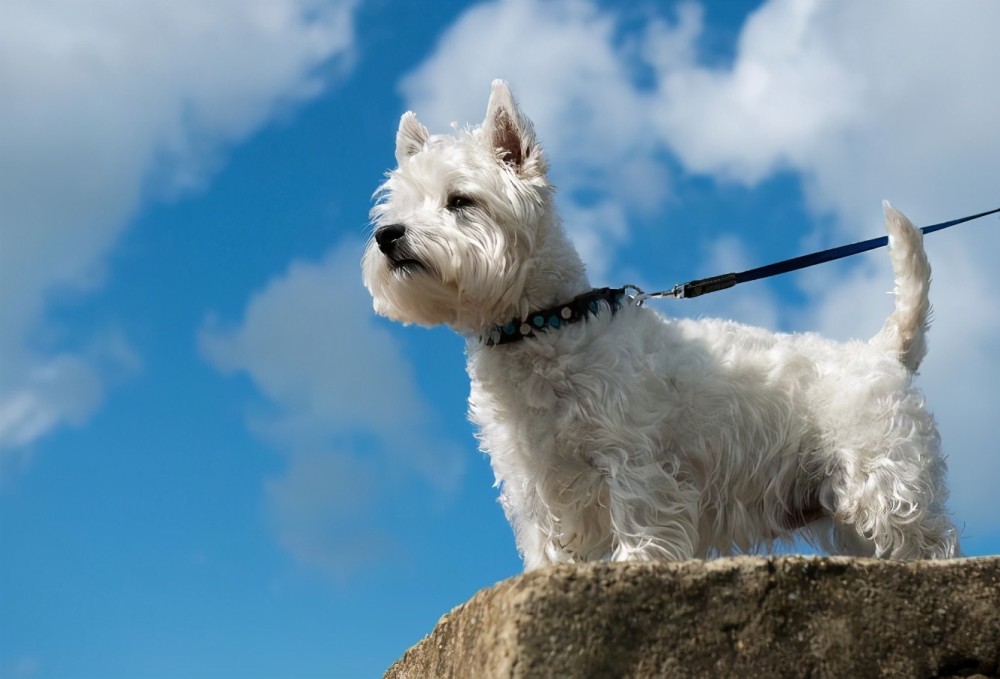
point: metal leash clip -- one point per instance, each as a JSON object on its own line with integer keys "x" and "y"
{"x": 641, "y": 296}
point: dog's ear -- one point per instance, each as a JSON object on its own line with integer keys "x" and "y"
{"x": 507, "y": 130}
{"x": 411, "y": 136}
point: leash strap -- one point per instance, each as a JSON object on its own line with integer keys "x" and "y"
{"x": 703, "y": 286}
{"x": 592, "y": 302}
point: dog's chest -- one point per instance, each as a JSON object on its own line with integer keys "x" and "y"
{"x": 551, "y": 413}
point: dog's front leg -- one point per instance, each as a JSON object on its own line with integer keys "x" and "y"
{"x": 653, "y": 516}
{"x": 536, "y": 530}
{"x": 533, "y": 544}
{"x": 552, "y": 541}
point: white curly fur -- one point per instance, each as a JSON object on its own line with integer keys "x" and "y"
{"x": 633, "y": 436}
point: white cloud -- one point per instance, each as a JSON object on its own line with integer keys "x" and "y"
{"x": 778, "y": 102}
{"x": 342, "y": 406}
{"x": 104, "y": 102}
{"x": 64, "y": 387}
{"x": 862, "y": 101}
{"x": 304, "y": 339}
{"x": 320, "y": 512}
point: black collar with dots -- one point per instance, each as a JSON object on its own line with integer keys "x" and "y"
{"x": 581, "y": 306}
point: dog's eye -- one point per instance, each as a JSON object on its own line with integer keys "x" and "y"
{"x": 458, "y": 201}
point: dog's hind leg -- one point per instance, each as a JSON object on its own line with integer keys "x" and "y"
{"x": 888, "y": 499}
{"x": 931, "y": 536}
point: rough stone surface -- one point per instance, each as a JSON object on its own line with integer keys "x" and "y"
{"x": 749, "y": 616}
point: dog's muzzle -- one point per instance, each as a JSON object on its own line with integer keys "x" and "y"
{"x": 389, "y": 239}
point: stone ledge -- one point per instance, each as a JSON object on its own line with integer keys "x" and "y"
{"x": 749, "y": 616}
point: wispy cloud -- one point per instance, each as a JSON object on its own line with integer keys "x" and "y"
{"x": 341, "y": 404}
{"x": 104, "y": 104}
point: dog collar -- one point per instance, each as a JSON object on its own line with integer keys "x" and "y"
{"x": 581, "y": 306}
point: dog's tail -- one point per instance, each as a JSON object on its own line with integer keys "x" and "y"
{"x": 905, "y": 331}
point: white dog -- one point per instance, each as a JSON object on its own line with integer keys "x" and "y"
{"x": 617, "y": 433}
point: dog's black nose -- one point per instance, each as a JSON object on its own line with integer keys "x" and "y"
{"x": 386, "y": 236}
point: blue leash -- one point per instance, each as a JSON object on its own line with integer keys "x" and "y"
{"x": 703, "y": 286}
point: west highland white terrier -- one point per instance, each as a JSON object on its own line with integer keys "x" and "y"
{"x": 617, "y": 433}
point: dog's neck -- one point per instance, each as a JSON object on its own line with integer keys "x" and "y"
{"x": 555, "y": 280}
{"x": 556, "y": 274}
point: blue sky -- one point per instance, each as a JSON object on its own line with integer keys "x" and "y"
{"x": 216, "y": 462}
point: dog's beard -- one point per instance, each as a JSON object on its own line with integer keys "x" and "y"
{"x": 404, "y": 263}
{"x": 406, "y": 287}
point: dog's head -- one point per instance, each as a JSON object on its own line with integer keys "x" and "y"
{"x": 459, "y": 223}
